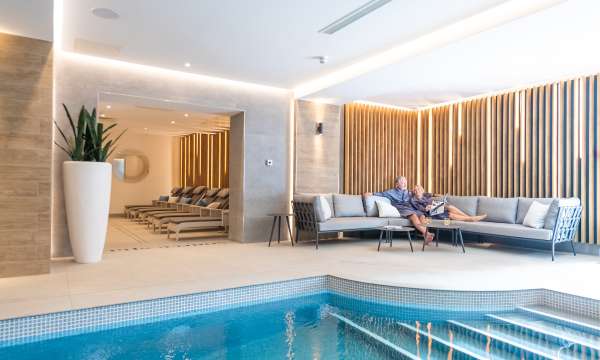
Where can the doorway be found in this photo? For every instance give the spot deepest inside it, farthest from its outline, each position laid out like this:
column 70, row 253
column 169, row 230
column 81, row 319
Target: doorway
column 173, row 160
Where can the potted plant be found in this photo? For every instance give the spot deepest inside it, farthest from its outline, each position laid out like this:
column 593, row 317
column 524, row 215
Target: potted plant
column 87, row 183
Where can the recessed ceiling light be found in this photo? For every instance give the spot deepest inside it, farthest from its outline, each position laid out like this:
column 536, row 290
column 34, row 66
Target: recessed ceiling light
column 172, row 121
column 145, row 129
column 187, row 64
column 108, row 106
column 186, row 114
column 105, row 13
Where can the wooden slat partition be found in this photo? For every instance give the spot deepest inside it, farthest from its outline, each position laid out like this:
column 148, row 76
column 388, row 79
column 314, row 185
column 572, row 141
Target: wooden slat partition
column 378, row 141
column 535, row 142
column 204, row 159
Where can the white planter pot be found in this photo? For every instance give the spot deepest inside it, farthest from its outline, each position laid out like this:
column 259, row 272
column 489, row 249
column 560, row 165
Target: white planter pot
column 87, row 199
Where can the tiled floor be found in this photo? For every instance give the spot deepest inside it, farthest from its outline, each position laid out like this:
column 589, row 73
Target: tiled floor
column 125, row 235
column 157, row 272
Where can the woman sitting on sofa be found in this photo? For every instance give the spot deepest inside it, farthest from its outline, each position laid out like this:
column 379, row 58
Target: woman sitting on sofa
column 422, row 203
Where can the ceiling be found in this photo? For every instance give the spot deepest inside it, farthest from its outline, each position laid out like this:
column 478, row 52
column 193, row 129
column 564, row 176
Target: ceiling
column 159, row 117
column 261, row 41
column 30, row 18
column 271, row 42
column 554, row 44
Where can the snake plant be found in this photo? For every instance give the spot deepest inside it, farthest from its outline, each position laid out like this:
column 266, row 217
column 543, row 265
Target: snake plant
column 90, row 141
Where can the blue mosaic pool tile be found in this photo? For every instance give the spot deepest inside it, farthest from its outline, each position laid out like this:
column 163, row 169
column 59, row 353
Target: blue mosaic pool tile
column 41, row 327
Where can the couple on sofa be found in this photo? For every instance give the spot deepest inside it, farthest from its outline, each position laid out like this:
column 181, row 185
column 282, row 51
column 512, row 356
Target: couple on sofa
column 414, row 205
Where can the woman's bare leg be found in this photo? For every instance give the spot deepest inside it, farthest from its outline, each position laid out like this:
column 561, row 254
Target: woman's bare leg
column 455, row 216
column 455, row 210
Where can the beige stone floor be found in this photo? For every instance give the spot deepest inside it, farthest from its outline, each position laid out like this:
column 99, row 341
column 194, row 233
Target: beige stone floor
column 157, row 272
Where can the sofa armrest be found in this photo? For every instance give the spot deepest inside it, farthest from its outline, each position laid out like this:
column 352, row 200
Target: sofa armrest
column 304, row 216
column 567, row 223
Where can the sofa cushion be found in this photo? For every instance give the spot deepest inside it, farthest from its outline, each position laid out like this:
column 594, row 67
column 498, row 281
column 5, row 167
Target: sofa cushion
column 553, row 211
column 352, row 223
column 387, row 210
column 370, row 205
column 525, row 203
column 500, row 210
column 501, row 229
column 536, row 215
column 323, row 211
column 467, row 204
column 348, row 205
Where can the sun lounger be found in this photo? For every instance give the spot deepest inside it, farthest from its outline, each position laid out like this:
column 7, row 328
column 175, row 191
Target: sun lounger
column 219, row 201
column 217, row 219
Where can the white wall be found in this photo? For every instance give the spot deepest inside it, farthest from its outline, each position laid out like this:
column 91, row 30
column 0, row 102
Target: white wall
column 158, row 149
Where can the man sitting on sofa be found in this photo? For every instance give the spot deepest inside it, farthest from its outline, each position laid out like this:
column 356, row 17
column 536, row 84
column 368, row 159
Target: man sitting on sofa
column 400, row 197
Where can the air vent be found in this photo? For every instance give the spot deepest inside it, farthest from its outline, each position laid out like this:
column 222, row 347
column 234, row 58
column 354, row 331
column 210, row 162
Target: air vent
column 353, row 16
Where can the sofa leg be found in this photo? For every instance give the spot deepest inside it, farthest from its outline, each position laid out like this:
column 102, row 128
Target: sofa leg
column 573, row 248
column 317, row 244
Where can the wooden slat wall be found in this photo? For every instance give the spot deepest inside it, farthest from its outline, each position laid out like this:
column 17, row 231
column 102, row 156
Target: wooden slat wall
column 204, row 159
column 378, row 142
column 536, row 142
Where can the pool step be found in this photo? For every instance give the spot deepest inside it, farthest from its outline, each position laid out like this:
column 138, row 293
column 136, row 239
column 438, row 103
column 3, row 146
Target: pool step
column 528, row 345
column 449, row 343
column 566, row 318
column 552, row 331
column 405, row 340
column 375, row 336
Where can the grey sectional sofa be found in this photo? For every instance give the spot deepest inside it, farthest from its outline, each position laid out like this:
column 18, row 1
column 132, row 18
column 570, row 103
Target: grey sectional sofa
column 505, row 216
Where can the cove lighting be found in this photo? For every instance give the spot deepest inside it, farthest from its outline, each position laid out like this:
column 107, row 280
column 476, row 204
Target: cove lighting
column 148, row 70
column 485, row 20
column 364, row 102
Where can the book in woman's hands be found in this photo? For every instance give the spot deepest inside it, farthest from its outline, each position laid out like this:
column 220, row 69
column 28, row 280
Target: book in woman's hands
column 437, row 206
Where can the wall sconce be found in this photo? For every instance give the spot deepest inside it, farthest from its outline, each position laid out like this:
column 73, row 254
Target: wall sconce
column 320, row 128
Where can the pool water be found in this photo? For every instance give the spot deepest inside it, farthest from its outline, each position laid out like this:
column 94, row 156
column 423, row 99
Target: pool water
column 327, row 326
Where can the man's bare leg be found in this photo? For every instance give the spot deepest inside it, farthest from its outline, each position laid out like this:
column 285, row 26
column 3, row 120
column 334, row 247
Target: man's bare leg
column 414, row 219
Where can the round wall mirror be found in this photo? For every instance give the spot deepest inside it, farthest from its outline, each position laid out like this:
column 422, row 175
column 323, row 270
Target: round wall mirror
column 130, row 166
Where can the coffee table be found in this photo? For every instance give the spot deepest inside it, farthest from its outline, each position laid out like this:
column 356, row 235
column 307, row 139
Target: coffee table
column 453, row 228
column 389, row 231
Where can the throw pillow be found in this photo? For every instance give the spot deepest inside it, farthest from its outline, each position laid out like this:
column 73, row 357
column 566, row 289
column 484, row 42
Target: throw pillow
column 371, row 206
column 386, row 210
column 323, row 209
column 536, row 215
column 173, row 199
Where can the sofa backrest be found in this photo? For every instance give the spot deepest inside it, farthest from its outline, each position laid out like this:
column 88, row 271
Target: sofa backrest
column 468, row 204
column 348, row 205
column 310, row 198
column 500, row 210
